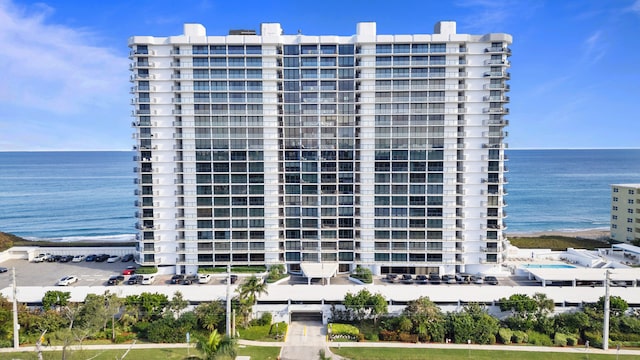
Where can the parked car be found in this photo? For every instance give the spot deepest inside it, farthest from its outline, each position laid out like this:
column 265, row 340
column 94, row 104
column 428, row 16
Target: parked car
column 54, row 258
column 448, row 279
column 491, row 280
column 41, row 257
column 3, row 269
column 234, row 279
column 102, row 257
column 391, row 278
column 78, row 258
column 434, row 278
column 190, row 279
column 476, row 279
column 127, row 258
column 115, row 280
column 177, row 279
column 113, row 258
column 134, row 279
column 90, row 258
column 204, row 278
column 67, row 280
column 66, row 258
column 130, row 270
column 148, row 279
column 407, row 279
column 463, row 278
column 422, row 279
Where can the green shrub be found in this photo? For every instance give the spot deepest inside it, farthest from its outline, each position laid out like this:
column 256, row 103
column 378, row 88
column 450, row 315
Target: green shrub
column 505, row 335
column 386, row 335
column 539, row 339
column 492, row 339
column 593, row 337
column 620, row 336
column 408, row 338
column 265, row 319
column 344, row 332
column 141, row 328
column 146, row 270
column 572, row 340
column 276, row 272
column 560, row 339
column 519, row 337
column 122, row 338
column 371, row 337
column 363, row 274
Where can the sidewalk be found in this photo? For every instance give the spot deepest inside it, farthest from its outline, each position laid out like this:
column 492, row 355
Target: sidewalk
column 542, row 349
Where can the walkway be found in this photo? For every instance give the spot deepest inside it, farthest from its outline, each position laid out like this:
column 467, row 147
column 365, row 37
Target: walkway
column 304, row 340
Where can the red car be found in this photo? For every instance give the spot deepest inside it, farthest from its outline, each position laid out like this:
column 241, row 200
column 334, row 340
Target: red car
column 130, row 270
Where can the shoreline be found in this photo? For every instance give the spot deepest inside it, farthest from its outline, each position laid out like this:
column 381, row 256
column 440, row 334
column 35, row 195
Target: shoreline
column 594, row 234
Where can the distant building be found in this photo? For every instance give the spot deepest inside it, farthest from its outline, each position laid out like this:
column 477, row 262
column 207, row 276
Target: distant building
column 625, row 212
column 384, row 151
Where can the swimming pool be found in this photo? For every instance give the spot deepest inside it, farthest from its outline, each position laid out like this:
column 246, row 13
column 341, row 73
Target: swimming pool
column 548, row 266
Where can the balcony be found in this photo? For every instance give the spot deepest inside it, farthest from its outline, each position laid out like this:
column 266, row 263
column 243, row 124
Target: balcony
column 498, row 49
column 498, row 74
column 500, row 98
column 501, row 122
column 495, row 110
column 496, row 62
column 503, row 87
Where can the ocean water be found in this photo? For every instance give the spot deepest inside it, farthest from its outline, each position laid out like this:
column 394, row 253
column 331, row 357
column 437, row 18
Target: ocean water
column 565, row 189
column 67, row 195
column 89, row 195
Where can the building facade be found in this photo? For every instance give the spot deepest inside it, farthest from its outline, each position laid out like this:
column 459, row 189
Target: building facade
column 383, row 151
column 625, row 212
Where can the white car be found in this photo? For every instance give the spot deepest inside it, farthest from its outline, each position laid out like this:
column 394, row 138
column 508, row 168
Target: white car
column 148, row 279
column 113, row 258
column 204, row 278
column 78, row 258
column 67, row 280
column 41, row 257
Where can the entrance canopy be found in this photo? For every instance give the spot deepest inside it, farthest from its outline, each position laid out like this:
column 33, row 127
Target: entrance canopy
column 319, row 270
column 627, row 248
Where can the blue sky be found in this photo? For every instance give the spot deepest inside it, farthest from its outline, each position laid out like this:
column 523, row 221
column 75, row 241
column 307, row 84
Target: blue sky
column 64, row 66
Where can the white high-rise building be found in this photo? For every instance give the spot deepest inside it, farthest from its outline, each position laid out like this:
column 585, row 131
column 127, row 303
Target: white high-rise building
column 384, row 151
column 625, row 210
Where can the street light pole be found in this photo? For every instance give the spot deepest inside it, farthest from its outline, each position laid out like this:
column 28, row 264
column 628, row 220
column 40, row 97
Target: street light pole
column 16, row 326
column 228, row 300
column 605, row 329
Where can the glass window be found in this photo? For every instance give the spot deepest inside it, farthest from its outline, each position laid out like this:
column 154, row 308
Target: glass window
column 383, row 49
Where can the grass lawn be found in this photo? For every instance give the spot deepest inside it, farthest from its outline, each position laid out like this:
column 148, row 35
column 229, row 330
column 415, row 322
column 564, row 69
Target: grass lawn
column 555, row 242
column 439, row 354
column 256, row 353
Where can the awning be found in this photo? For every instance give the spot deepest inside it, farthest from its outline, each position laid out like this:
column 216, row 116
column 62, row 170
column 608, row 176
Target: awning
column 319, row 270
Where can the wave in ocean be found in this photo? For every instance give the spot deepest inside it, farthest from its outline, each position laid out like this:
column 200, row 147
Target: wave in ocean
column 107, row 238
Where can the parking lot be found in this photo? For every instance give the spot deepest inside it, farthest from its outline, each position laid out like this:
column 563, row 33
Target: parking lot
column 89, row 273
column 97, row 274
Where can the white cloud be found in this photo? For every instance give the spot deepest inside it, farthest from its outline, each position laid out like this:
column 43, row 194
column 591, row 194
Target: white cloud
column 595, row 48
column 55, row 68
column 635, row 7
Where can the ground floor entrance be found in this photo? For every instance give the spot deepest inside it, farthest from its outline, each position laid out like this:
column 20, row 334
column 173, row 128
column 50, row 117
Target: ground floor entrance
column 306, row 316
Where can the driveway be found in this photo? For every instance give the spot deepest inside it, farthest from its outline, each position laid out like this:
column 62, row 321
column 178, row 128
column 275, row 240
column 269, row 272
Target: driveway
column 304, row 340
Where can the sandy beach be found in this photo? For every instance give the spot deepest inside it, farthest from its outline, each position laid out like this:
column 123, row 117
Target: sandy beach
column 595, row 234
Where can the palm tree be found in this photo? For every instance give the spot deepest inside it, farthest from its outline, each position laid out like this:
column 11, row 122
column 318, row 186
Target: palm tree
column 252, row 288
column 248, row 294
column 216, row 346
